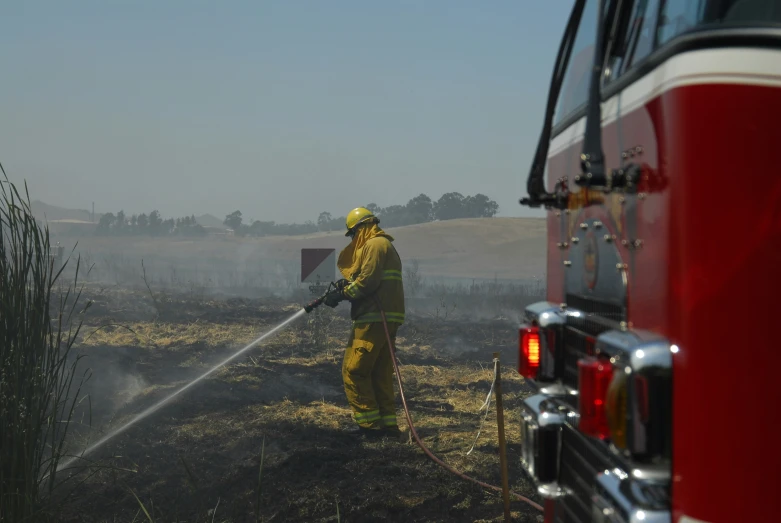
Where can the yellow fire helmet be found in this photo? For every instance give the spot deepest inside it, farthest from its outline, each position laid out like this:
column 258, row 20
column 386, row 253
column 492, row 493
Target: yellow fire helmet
column 356, row 217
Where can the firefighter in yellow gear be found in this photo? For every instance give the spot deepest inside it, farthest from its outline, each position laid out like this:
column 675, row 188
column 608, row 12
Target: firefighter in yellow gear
column 372, row 279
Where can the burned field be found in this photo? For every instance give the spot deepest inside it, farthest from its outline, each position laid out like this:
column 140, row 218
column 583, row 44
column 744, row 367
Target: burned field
column 261, row 439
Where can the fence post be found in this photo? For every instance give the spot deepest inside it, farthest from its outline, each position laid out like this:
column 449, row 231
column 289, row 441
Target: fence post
column 502, row 442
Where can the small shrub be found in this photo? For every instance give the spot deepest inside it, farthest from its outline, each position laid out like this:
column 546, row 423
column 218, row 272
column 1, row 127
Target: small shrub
column 413, row 281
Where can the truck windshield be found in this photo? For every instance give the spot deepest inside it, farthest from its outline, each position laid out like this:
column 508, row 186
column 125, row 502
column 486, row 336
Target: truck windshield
column 575, row 86
column 681, row 16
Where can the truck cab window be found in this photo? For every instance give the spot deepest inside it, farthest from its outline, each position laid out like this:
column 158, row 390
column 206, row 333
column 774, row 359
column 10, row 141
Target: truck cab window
column 681, row 16
column 574, row 92
column 753, row 12
column 635, row 42
column 643, row 40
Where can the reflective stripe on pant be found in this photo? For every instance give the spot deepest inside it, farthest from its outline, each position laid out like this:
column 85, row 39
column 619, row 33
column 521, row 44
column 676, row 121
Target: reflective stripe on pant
column 367, row 371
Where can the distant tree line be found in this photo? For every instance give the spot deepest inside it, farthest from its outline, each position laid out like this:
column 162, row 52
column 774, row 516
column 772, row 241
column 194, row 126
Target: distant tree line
column 260, row 228
column 151, row 224
column 420, row 209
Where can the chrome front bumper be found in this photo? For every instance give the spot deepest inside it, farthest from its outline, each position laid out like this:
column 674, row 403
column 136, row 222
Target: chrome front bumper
column 611, row 494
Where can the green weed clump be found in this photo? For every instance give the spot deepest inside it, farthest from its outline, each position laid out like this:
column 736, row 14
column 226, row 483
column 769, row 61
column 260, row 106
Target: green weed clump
column 38, row 385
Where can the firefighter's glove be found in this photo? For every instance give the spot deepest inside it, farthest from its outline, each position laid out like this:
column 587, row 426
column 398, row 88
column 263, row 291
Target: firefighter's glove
column 333, row 298
column 341, row 284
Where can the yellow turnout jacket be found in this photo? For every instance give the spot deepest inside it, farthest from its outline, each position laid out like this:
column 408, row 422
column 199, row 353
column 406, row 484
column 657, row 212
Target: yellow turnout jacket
column 373, row 267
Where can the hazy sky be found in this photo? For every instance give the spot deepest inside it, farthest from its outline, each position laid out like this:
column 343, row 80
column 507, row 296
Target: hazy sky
column 280, row 109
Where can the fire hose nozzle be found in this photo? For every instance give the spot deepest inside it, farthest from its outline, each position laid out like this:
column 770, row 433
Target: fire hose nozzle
column 309, row 307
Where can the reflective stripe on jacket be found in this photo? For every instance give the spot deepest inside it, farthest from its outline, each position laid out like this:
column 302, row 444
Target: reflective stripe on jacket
column 379, row 274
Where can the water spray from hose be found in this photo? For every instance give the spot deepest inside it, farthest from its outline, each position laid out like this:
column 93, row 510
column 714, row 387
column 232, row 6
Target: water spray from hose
column 159, row 404
column 154, row 408
column 307, row 309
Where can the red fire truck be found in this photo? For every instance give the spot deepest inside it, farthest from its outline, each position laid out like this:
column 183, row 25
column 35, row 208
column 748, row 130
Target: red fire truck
column 653, row 357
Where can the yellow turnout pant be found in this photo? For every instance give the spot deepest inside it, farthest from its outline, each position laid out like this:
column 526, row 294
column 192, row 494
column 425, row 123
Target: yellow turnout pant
column 367, row 371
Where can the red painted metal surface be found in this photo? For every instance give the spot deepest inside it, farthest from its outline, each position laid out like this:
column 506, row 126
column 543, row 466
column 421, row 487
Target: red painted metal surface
column 554, row 273
column 721, row 146
column 550, row 510
column 707, row 277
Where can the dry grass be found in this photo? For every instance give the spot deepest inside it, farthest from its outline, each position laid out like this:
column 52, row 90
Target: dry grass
column 169, row 336
column 289, row 394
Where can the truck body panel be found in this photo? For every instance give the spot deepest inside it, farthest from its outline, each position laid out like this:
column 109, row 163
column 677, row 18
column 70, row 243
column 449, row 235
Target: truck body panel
column 693, row 254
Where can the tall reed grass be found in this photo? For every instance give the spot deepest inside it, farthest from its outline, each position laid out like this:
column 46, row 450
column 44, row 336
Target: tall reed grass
column 38, row 384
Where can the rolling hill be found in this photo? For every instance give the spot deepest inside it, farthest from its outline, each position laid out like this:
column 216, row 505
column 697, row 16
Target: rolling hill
column 482, row 248
column 46, row 212
column 43, row 211
column 506, row 248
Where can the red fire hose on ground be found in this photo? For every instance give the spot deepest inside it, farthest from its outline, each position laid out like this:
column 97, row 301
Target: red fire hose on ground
column 316, row 303
column 415, row 433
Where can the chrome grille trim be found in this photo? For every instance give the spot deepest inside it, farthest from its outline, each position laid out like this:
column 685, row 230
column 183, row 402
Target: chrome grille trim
column 541, row 422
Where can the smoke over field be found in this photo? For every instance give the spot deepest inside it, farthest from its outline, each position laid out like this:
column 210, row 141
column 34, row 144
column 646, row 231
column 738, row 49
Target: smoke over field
column 505, row 250
column 154, row 327
column 205, row 448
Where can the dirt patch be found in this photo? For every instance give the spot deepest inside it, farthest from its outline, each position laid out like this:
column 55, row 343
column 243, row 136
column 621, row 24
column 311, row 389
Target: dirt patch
column 198, row 458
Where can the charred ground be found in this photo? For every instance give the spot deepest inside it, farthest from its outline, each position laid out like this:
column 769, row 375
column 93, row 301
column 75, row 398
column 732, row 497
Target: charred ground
column 199, row 457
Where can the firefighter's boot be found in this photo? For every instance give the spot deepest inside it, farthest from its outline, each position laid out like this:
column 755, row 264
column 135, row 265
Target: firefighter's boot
column 357, row 431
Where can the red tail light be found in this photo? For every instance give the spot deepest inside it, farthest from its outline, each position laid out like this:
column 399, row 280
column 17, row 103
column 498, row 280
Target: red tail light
column 529, row 352
column 594, row 377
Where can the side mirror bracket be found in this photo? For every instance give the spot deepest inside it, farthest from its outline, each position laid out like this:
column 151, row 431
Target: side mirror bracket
column 592, row 159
